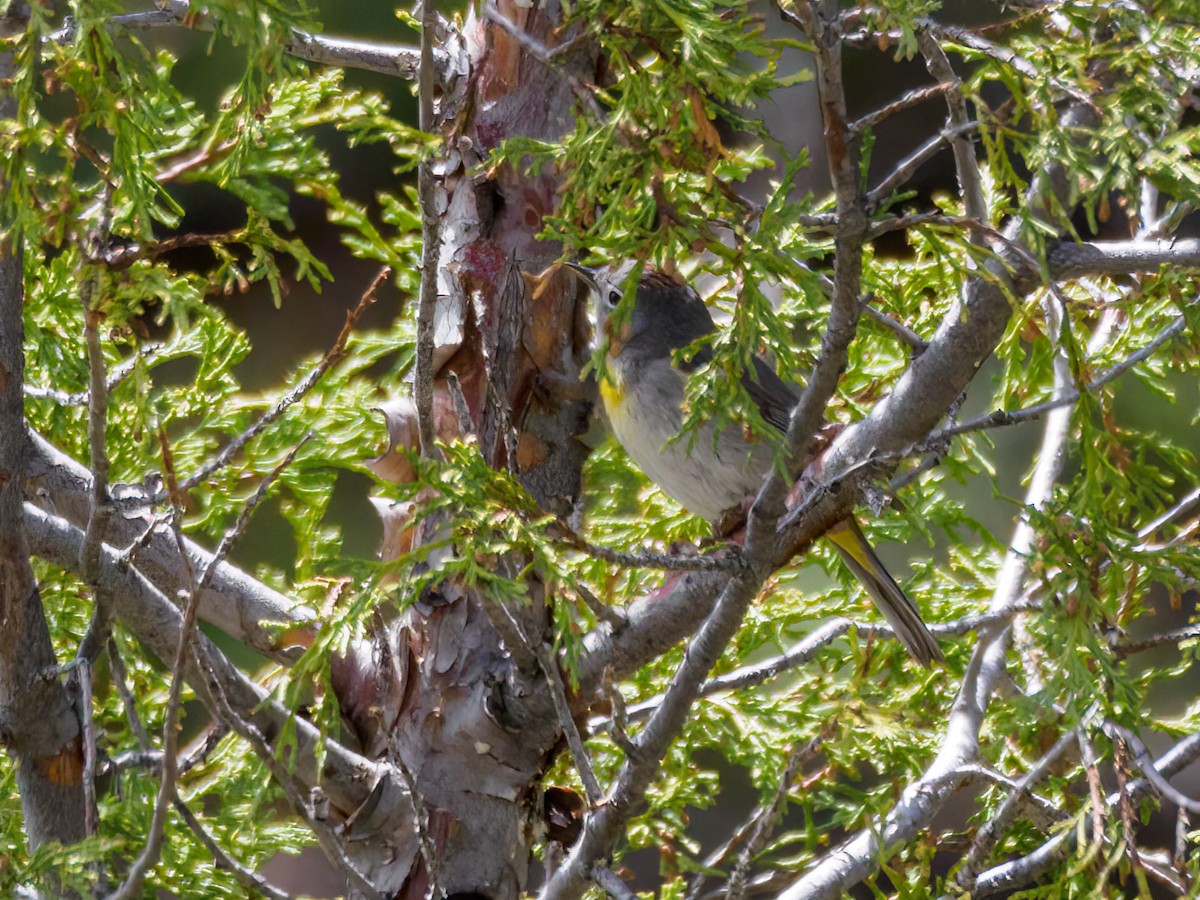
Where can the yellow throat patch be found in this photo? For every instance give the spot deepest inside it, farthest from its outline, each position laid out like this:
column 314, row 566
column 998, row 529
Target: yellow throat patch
column 612, row 392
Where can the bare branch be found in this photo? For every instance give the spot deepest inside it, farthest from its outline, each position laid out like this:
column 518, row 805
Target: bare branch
column 1185, row 505
column 764, row 818
column 993, row 829
column 116, row 376
column 100, row 509
column 387, row 59
column 842, row 150
column 902, row 331
column 1175, row 636
column 610, row 882
column 134, row 879
column 969, row 180
column 806, row 649
column 430, row 245
column 247, row 878
column 725, row 560
column 558, row 693
column 120, row 681
column 1001, row 418
column 240, row 605
column 37, row 721
column 907, row 100
column 83, row 680
column 907, row 167
column 330, row 843
column 1145, row 762
column 151, row 617
column 1070, row 260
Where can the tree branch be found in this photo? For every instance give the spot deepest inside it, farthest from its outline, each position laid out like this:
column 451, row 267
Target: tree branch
column 806, row 649
column 236, row 603
column 430, row 245
column 1011, row 875
column 332, row 357
column 861, row 855
column 37, row 722
column 1081, row 260
column 387, row 59
column 135, row 878
column 348, row 779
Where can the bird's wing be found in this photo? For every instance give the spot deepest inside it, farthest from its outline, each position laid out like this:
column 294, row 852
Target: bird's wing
column 773, row 397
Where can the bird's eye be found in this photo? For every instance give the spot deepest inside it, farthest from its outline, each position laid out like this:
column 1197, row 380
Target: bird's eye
column 614, row 297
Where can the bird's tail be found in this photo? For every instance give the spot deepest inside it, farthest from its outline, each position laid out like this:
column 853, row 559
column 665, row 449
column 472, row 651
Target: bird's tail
column 900, row 612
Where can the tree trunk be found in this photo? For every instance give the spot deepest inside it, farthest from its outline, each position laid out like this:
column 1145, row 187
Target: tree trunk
column 454, row 692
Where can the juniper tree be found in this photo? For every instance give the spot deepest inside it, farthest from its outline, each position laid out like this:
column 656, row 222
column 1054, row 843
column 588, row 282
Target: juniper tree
column 535, row 664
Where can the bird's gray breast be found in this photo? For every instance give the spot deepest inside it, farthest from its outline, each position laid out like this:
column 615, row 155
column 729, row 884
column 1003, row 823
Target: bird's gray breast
column 704, row 476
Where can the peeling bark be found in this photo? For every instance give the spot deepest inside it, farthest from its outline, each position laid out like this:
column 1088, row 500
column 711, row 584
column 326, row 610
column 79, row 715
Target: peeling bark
column 454, row 690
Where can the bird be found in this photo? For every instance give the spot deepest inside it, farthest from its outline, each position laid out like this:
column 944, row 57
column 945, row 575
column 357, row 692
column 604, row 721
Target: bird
column 642, row 391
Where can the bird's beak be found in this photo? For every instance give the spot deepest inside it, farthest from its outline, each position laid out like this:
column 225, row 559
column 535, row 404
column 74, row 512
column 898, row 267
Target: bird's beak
column 586, row 274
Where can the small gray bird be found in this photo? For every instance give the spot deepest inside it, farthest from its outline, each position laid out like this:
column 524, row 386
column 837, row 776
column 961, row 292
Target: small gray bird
column 643, row 395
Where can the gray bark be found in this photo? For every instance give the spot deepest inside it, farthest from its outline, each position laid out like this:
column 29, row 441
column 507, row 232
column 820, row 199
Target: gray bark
column 37, row 721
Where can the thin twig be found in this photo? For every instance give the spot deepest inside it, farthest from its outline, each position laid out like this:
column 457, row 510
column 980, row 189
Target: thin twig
column 613, row 616
column 1185, row 505
column 388, row 59
column 1175, row 636
column 806, row 649
column 246, row 877
column 1091, row 767
column 902, row 331
column 908, row 99
column 907, row 167
column 430, row 245
column 1002, row 418
column 330, row 844
column 100, row 509
column 99, row 513
column 116, row 376
column 132, row 884
column 1013, row 874
column 970, row 181
column 250, row 732
column 993, row 829
column 83, row 677
column 725, row 560
column 134, row 759
column 1145, row 762
column 562, row 707
column 332, row 357
column 765, row 818
column 541, row 653
column 118, row 258
column 610, row 882
column 120, row 679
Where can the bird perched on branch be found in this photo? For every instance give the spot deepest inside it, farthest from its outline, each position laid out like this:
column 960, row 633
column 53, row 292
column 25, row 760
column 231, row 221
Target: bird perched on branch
column 643, row 394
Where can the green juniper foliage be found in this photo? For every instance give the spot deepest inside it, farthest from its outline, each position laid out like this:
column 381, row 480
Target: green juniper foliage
column 102, row 139
column 92, row 163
